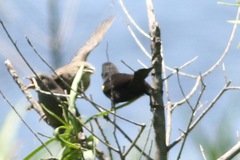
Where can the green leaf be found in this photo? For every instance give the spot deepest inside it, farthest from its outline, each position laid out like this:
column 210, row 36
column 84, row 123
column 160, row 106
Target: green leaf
column 54, row 115
column 106, row 112
column 67, row 143
column 73, row 95
column 40, row 148
column 73, row 92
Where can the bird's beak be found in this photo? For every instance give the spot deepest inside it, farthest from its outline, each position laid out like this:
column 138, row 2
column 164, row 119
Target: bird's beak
column 89, row 69
column 31, row 85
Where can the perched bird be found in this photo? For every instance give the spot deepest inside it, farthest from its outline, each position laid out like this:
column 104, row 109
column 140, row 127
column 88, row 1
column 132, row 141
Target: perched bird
column 51, row 102
column 65, row 75
column 68, row 72
column 121, row 87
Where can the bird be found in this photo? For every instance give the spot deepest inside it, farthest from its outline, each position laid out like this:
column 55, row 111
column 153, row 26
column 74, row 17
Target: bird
column 64, row 75
column 122, row 87
column 62, row 78
column 51, row 102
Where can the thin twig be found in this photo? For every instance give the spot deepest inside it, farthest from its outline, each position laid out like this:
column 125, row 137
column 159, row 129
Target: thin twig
column 224, row 72
column 138, row 42
column 35, row 51
column 98, row 106
column 227, row 48
column 147, row 140
column 19, row 52
column 181, row 73
column 150, row 149
column 188, row 63
column 194, row 89
column 104, row 137
column 121, row 130
column 107, row 144
column 191, row 118
column 190, row 94
column 181, row 88
column 139, row 61
column 55, row 94
column 132, row 20
column 135, row 141
column 202, row 151
column 115, row 137
column 175, row 104
column 16, row 47
column 25, row 123
column 127, row 65
column 193, row 125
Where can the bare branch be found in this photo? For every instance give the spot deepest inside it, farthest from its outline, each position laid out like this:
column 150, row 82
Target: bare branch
column 169, row 103
column 181, row 88
column 115, row 137
column 21, row 85
column 104, row 137
column 139, row 61
column 202, row 151
column 224, row 71
column 110, row 111
column 193, row 125
column 135, row 141
column 138, row 42
column 157, row 84
column 181, row 73
column 227, row 48
column 16, row 47
column 231, row 153
column 101, row 109
column 175, row 104
column 191, row 118
column 147, row 140
column 132, row 20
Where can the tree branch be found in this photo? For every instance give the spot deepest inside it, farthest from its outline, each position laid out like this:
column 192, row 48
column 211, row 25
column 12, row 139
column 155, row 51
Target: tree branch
column 231, row 153
column 21, row 85
column 157, row 84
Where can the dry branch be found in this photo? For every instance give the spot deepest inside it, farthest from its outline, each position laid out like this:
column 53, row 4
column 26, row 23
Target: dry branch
column 157, row 84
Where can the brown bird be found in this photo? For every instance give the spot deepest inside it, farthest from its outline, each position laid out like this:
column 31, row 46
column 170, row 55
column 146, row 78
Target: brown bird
column 122, row 87
column 69, row 71
column 51, row 102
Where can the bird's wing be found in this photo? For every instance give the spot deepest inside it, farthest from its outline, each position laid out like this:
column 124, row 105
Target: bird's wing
column 119, row 80
column 94, row 40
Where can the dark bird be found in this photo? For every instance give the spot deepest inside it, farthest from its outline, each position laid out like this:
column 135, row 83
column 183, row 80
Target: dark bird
column 121, row 87
column 68, row 72
column 50, row 101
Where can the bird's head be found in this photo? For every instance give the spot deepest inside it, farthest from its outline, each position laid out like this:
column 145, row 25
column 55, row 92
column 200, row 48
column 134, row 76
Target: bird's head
column 108, row 69
column 42, row 81
column 88, row 68
column 142, row 73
